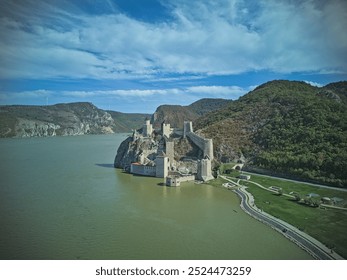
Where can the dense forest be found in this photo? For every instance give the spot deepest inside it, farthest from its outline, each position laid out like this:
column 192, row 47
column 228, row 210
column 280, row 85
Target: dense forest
column 287, row 127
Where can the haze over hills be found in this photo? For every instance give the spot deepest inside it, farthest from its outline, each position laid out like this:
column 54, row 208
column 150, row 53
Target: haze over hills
column 286, row 127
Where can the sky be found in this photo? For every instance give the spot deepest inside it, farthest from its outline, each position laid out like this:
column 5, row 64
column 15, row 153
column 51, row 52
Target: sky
column 134, row 55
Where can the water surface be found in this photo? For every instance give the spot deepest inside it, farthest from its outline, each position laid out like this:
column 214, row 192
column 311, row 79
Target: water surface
column 60, row 198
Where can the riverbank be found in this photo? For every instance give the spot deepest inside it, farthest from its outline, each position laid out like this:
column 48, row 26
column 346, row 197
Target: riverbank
column 303, row 240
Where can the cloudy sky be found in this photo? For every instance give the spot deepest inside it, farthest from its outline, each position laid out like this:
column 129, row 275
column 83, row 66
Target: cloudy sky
column 133, row 55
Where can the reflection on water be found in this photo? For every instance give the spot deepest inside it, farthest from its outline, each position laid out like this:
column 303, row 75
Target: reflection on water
column 61, row 198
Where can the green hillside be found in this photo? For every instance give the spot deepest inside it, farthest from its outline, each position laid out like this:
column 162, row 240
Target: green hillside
column 125, row 122
column 290, row 128
column 176, row 114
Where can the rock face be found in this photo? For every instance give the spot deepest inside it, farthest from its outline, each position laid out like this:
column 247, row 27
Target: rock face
column 57, row 120
column 30, row 128
column 126, row 154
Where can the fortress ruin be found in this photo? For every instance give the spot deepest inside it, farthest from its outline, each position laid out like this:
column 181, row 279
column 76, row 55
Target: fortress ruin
column 151, row 152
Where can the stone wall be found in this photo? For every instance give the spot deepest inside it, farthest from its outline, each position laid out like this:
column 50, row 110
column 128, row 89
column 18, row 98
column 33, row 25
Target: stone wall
column 206, row 145
column 175, row 181
column 170, row 150
column 187, row 127
column 144, row 170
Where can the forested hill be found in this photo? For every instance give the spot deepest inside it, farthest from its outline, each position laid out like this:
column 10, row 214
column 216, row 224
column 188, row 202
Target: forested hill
column 176, row 114
column 125, row 122
column 286, row 127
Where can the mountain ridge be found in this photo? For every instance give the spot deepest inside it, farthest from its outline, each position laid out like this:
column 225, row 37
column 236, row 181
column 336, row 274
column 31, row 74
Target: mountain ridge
column 288, row 127
column 63, row 119
column 177, row 114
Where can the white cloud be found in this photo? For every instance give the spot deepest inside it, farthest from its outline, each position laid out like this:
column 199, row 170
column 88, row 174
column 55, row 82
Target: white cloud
column 203, row 91
column 303, row 35
column 230, row 92
column 40, row 93
column 205, row 38
column 120, row 93
column 315, row 84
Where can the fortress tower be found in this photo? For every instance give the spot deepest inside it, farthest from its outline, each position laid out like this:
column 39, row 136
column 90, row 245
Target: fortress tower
column 162, row 166
column 166, row 130
column 187, row 127
column 147, row 129
column 208, row 148
column 204, row 170
column 170, row 150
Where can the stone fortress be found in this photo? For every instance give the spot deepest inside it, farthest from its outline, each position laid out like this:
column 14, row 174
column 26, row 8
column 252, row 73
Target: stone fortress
column 151, row 152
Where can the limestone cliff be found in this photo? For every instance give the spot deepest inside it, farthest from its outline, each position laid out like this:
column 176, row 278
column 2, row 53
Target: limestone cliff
column 62, row 119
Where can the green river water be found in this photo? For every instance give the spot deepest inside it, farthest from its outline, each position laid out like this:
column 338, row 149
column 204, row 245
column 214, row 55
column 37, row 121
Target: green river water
column 61, row 198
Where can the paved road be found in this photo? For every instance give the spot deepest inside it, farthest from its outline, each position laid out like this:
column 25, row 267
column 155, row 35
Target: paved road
column 286, row 230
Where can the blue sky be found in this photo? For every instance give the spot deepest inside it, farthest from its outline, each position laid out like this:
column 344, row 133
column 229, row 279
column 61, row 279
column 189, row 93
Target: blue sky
column 134, row 55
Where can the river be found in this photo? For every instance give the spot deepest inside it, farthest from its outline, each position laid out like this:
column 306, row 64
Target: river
column 61, row 198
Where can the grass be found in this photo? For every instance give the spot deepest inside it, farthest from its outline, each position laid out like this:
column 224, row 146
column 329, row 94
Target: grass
column 301, row 188
column 226, row 166
column 216, row 182
column 326, row 225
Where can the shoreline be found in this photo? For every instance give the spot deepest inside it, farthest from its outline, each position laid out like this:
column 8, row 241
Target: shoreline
column 311, row 245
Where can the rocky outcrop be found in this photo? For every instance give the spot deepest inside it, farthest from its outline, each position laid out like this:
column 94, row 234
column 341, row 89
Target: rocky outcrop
column 29, row 128
column 139, row 149
column 126, row 154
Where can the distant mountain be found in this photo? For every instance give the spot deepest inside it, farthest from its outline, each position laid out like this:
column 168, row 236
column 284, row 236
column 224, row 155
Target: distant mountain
column 206, row 105
column 176, row 114
column 63, row 119
column 287, row 127
column 125, row 122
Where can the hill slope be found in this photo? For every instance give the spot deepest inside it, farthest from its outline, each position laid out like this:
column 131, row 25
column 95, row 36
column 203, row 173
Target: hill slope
column 64, row 119
column 125, row 122
column 176, row 114
column 286, row 127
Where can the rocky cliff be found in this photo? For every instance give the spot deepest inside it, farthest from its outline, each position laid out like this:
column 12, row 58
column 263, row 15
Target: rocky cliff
column 60, row 119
